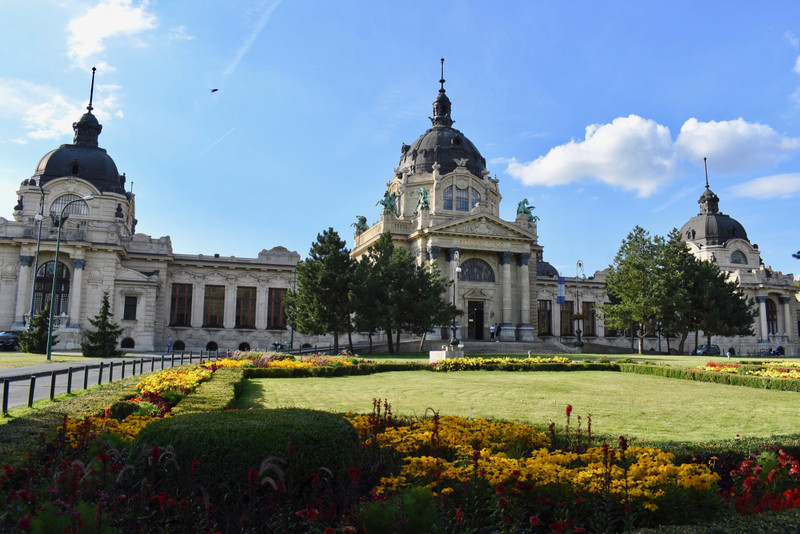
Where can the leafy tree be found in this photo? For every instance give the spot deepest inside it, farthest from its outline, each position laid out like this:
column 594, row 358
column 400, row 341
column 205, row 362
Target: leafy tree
column 634, row 282
column 722, row 307
column 676, row 314
column 34, row 340
column 321, row 304
column 102, row 342
column 364, row 297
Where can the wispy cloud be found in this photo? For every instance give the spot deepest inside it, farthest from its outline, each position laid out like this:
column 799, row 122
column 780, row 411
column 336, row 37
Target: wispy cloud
column 89, row 32
column 776, row 186
column 638, row 154
column 180, row 33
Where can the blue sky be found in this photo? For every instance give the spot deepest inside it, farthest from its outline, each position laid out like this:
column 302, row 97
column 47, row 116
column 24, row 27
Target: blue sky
column 599, row 113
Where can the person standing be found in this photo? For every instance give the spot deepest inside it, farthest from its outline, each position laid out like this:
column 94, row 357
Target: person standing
column 169, row 344
column 492, row 330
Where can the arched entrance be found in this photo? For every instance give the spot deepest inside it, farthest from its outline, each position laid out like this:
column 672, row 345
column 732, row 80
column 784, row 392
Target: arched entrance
column 44, row 288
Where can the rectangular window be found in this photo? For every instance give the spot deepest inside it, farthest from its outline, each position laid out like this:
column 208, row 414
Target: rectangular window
column 181, row 314
column 275, row 318
column 214, row 307
column 447, row 197
column 129, row 312
column 589, row 322
column 566, row 319
column 245, row 307
column 462, row 199
column 545, row 318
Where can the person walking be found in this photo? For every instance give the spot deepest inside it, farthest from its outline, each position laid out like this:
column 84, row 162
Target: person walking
column 492, row 330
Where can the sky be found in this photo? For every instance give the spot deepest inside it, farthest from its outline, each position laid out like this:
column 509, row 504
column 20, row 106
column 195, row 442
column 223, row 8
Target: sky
column 599, row 113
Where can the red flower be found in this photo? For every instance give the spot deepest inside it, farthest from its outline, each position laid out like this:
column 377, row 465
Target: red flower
column 535, row 521
column 252, row 476
column 501, row 502
column 500, row 490
column 24, row 523
column 194, row 466
column 329, row 530
column 623, row 443
column 569, row 409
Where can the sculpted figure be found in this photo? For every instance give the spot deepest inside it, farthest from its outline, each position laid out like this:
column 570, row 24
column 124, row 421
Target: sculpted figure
column 361, row 223
column 526, row 209
column 389, row 202
column 423, row 202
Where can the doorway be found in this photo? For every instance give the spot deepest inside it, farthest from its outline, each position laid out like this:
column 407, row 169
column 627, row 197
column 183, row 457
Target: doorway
column 475, row 320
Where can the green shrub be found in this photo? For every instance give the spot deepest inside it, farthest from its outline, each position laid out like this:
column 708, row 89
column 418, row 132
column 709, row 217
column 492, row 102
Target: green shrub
column 122, row 409
column 733, row 379
column 411, row 511
column 213, row 395
column 228, row 444
column 772, row 523
column 173, row 396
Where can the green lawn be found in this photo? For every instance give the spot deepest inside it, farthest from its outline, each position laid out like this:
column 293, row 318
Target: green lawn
column 651, row 408
column 23, row 359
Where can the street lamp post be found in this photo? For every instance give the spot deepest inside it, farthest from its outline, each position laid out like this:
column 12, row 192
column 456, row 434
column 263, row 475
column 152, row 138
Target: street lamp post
column 39, row 217
column 61, row 220
column 456, row 270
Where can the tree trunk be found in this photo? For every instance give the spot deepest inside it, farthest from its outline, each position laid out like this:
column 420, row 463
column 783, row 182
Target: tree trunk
column 642, row 333
column 422, row 341
column 370, row 342
column 335, row 343
column 684, row 335
column 397, row 344
column 350, row 340
column 389, row 340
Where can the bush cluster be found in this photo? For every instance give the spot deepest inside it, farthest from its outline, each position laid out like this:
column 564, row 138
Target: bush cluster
column 732, row 379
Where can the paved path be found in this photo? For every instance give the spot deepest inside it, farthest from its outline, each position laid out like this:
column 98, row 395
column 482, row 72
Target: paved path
column 54, row 379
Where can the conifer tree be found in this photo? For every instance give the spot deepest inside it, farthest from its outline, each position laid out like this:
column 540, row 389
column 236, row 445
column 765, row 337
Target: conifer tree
column 34, row 340
column 102, row 342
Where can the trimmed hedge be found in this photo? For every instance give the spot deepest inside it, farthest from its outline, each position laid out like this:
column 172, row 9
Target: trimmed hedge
column 522, row 365
column 215, row 394
column 339, row 370
column 773, row 523
column 732, row 379
column 228, row 444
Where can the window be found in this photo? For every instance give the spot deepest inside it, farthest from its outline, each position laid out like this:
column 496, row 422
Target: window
column 81, row 208
column 566, row 318
column 738, row 257
column 44, row 288
column 545, row 318
column 212, row 346
column 772, row 317
column 245, row 307
column 127, row 343
column 244, row 346
column 129, row 311
column 476, row 197
column 181, row 311
column 214, row 307
column 448, row 198
column 462, row 199
column 589, row 322
column 475, row 270
column 275, row 318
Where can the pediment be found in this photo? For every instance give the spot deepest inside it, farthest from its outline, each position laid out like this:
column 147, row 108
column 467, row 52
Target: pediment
column 482, row 225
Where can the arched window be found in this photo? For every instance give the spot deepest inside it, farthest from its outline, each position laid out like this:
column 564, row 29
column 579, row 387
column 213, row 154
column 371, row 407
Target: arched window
column 127, row 343
column 447, row 197
column 476, row 197
column 80, row 208
column 212, row 345
column 244, row 346
column 738, row 257
column 772, row 317
column 462, row 199
column 475, row 270
column 179, row 345
column 44, row 287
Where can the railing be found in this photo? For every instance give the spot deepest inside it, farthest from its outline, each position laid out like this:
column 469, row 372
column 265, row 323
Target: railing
column 96, row 374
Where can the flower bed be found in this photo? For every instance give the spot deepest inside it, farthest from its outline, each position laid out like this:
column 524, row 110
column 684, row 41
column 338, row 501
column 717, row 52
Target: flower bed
column 469, row 364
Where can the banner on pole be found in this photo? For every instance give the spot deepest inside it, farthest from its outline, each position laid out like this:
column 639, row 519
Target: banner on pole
column 562, row 290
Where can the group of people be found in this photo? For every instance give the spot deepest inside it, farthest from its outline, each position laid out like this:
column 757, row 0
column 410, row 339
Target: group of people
column 494, row 332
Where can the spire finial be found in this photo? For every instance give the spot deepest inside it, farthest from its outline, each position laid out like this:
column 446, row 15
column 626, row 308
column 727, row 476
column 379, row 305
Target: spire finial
column 705, row 163
column 91, row 91
column 441, row 80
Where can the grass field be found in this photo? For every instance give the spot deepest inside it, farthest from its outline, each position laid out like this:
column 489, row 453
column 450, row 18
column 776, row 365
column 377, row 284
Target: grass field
column 651, row 408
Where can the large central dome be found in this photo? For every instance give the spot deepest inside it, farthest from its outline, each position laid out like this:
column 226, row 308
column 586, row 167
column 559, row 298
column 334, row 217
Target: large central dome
column 441, row 144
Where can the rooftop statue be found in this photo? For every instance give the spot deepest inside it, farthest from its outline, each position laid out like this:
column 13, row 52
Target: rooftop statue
column 389, row 202
column 423, row 202
column 361, row 223
column 523, row 208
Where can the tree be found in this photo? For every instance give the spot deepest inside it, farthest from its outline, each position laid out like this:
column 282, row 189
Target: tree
column 321, row 304
column 634, row 283
column 34, row 340
column 722, row 307
column 102, row 342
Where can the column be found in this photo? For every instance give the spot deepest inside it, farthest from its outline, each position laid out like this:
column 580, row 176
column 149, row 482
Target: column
column 507, row 331
column 75, row 290
column 23, row 290
column 229, row 314
column 762, row 319
column 787, row 316
column 451, row 254
column 262, row 292
column 198, row 301
column 524, row 328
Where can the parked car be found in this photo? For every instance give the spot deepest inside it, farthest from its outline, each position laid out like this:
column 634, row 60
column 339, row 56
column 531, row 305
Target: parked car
column 9, row 340
column 704, row 350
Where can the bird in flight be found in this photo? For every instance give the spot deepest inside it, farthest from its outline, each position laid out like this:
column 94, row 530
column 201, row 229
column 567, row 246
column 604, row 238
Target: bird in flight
column 214, row 90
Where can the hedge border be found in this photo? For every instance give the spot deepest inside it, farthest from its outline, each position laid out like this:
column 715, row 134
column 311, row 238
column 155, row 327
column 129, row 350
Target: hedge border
column 731, row 379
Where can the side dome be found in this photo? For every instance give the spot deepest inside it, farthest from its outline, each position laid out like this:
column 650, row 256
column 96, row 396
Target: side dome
column 83, row 159
column 441, row 144
column 710, row 226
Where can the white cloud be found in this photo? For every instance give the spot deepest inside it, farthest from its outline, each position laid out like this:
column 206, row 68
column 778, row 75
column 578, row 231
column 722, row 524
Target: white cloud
column 776, row 186
column 632, row 153
column 46, row 114
column 790, row 37
column 180, row 33
column 797, row 65
column 109, row 18
column 735, row 145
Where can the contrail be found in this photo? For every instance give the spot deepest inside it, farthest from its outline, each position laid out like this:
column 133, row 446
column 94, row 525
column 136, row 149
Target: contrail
column 251, row 39
column 212, row 145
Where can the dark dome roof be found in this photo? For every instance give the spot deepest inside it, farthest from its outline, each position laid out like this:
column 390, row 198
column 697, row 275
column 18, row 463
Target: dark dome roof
column 545, row 269
column 82, row 159
column 710, row 226
column 441, row 144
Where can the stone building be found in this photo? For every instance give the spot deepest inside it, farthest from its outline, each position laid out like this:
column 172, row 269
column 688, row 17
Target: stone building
column 200, row 301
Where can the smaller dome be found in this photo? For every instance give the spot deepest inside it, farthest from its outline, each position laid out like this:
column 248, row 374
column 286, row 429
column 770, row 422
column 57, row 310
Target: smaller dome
column 92, row 164
column 545, row 269
column 710, row 226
